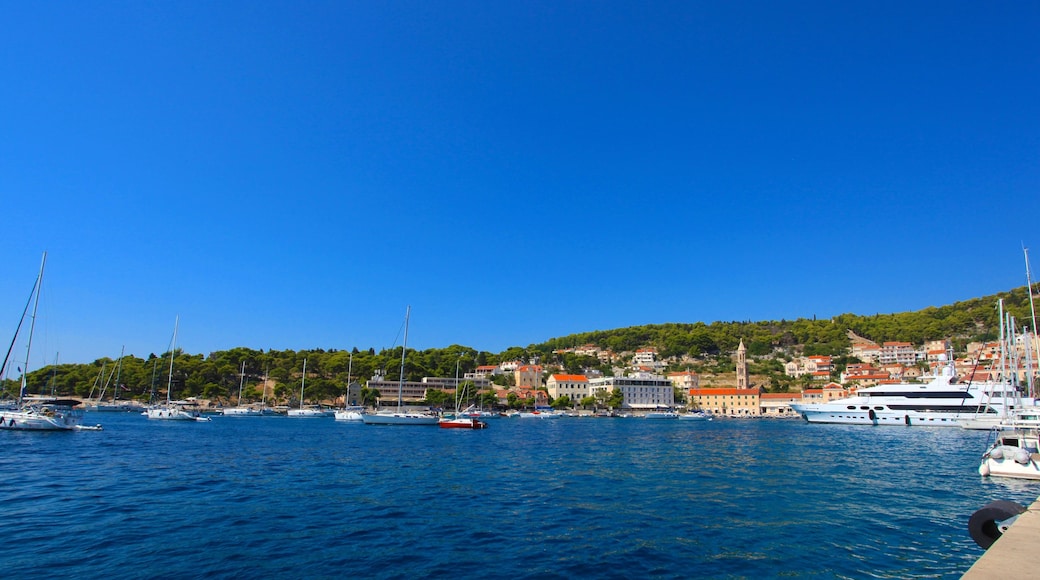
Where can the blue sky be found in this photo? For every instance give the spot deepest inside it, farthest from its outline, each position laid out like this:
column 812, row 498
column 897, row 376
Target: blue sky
column 292, row 175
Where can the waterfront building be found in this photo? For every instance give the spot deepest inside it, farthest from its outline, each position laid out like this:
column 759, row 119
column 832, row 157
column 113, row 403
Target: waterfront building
column 576, row 387
column 640, row 390
column 727, row 402
column 778, row 404
column 829, row 392
column 449, row 383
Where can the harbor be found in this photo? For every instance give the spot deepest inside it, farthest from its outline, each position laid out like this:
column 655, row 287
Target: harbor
column 571, row 497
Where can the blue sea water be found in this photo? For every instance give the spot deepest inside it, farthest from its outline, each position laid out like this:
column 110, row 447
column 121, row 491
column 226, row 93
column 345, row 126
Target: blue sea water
column 267, row 497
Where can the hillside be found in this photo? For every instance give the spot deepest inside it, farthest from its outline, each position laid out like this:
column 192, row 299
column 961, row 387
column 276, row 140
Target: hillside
column 705, row 348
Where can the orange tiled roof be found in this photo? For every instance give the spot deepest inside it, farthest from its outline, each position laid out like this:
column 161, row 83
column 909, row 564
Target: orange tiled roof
column 570, row 378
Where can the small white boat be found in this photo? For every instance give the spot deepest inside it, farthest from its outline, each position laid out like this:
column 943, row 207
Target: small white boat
column 356, row 413
column 312, row 412
column 173, row 410
column 662, row 415
column 241, row 410
column 399, row 418
column 696, row 416
column 1014, row 454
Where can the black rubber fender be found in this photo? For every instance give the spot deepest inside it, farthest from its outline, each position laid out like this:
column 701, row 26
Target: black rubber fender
column 983, row 523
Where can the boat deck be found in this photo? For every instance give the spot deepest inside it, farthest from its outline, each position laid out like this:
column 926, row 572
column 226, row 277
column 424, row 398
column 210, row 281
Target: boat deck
column 1014, row 555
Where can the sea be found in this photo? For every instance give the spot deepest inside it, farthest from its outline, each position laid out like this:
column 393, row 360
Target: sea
column 277, row 497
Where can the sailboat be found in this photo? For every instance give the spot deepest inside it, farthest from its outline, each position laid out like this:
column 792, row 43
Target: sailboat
column 309, row 412
column 400, row 416
column 458, row 421
column 171, row 410
column 115, row 405
column 350, row 412
column 240, row 410
column 38, row 413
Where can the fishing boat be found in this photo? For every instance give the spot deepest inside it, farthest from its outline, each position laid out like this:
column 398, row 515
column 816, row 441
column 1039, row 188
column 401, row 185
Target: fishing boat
column 311, row 412
column 241, row 410
column 173, row 410
column 36, row 413
column 459, row 420
column 662, row 415
column 400, row 416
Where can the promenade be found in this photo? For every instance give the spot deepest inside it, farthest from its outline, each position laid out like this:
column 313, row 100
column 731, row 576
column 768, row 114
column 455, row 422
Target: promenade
column 1014, row 555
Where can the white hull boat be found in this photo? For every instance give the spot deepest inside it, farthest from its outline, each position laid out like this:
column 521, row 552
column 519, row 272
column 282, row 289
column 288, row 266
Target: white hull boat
column 400, row 418
column 241, row 412
column 1015, row 454
column 941, row 402
column 699, row 416
column 351, row 414
column 42, row 415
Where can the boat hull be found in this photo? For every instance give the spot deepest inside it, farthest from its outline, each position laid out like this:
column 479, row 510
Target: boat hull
column 173, row 414
column 461, row 423
column 1014, row 454
column 828, row 414
column 308, row 413
column 241, row 412
column 42, row 415
column 400, row 419
column 32, row 421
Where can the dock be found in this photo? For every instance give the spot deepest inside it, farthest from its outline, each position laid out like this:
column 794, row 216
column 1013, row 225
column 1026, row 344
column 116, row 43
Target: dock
column 1014, row 555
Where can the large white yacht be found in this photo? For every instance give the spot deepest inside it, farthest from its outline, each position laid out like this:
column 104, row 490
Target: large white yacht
column 940, row 402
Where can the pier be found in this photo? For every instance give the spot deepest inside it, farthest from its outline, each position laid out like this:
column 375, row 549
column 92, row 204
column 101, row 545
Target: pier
column 1014, row 555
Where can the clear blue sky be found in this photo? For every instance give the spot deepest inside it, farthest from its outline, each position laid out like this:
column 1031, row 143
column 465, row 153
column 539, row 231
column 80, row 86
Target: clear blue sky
column 292, row 175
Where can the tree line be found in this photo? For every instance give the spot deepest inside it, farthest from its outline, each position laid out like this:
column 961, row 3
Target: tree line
column 217, row 376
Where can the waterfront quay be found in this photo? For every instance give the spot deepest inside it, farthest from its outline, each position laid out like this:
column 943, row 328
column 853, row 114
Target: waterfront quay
column 1014, row 555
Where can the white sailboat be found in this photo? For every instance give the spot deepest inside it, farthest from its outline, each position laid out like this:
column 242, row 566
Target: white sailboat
column 38, row 413
column 400, row 416
column 241, row 410
column 459, row 421
column 350, row 412
column 309, row 412
column 173, row 410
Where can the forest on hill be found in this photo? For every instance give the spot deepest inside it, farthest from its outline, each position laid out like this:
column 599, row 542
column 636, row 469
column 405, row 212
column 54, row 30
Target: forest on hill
column 218, row 375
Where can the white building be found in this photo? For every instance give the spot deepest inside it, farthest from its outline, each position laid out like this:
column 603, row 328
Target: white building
column 574, row 386
column 641, row 391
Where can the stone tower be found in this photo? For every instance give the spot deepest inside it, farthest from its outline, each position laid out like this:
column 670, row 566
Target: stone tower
column 742, row 374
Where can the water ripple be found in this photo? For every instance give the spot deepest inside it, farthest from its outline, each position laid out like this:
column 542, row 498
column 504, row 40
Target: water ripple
column 270, row 497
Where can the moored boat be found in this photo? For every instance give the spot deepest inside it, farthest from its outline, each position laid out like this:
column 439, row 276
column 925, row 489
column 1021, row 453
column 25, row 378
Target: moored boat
column 940, row 402
column 174, row 410
column 1015, row 454
column 36, row 413
column 400, row 417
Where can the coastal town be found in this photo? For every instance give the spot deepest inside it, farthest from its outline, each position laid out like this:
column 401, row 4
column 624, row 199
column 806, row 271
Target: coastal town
column 646, row 386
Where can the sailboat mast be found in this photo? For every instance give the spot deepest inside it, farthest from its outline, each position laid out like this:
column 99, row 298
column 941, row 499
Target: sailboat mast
column 119, row 370
column 303, row 382
column 1032, row 310
column 173, row 352
column 404, row 349
column 241, row 380
column 32, row 326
